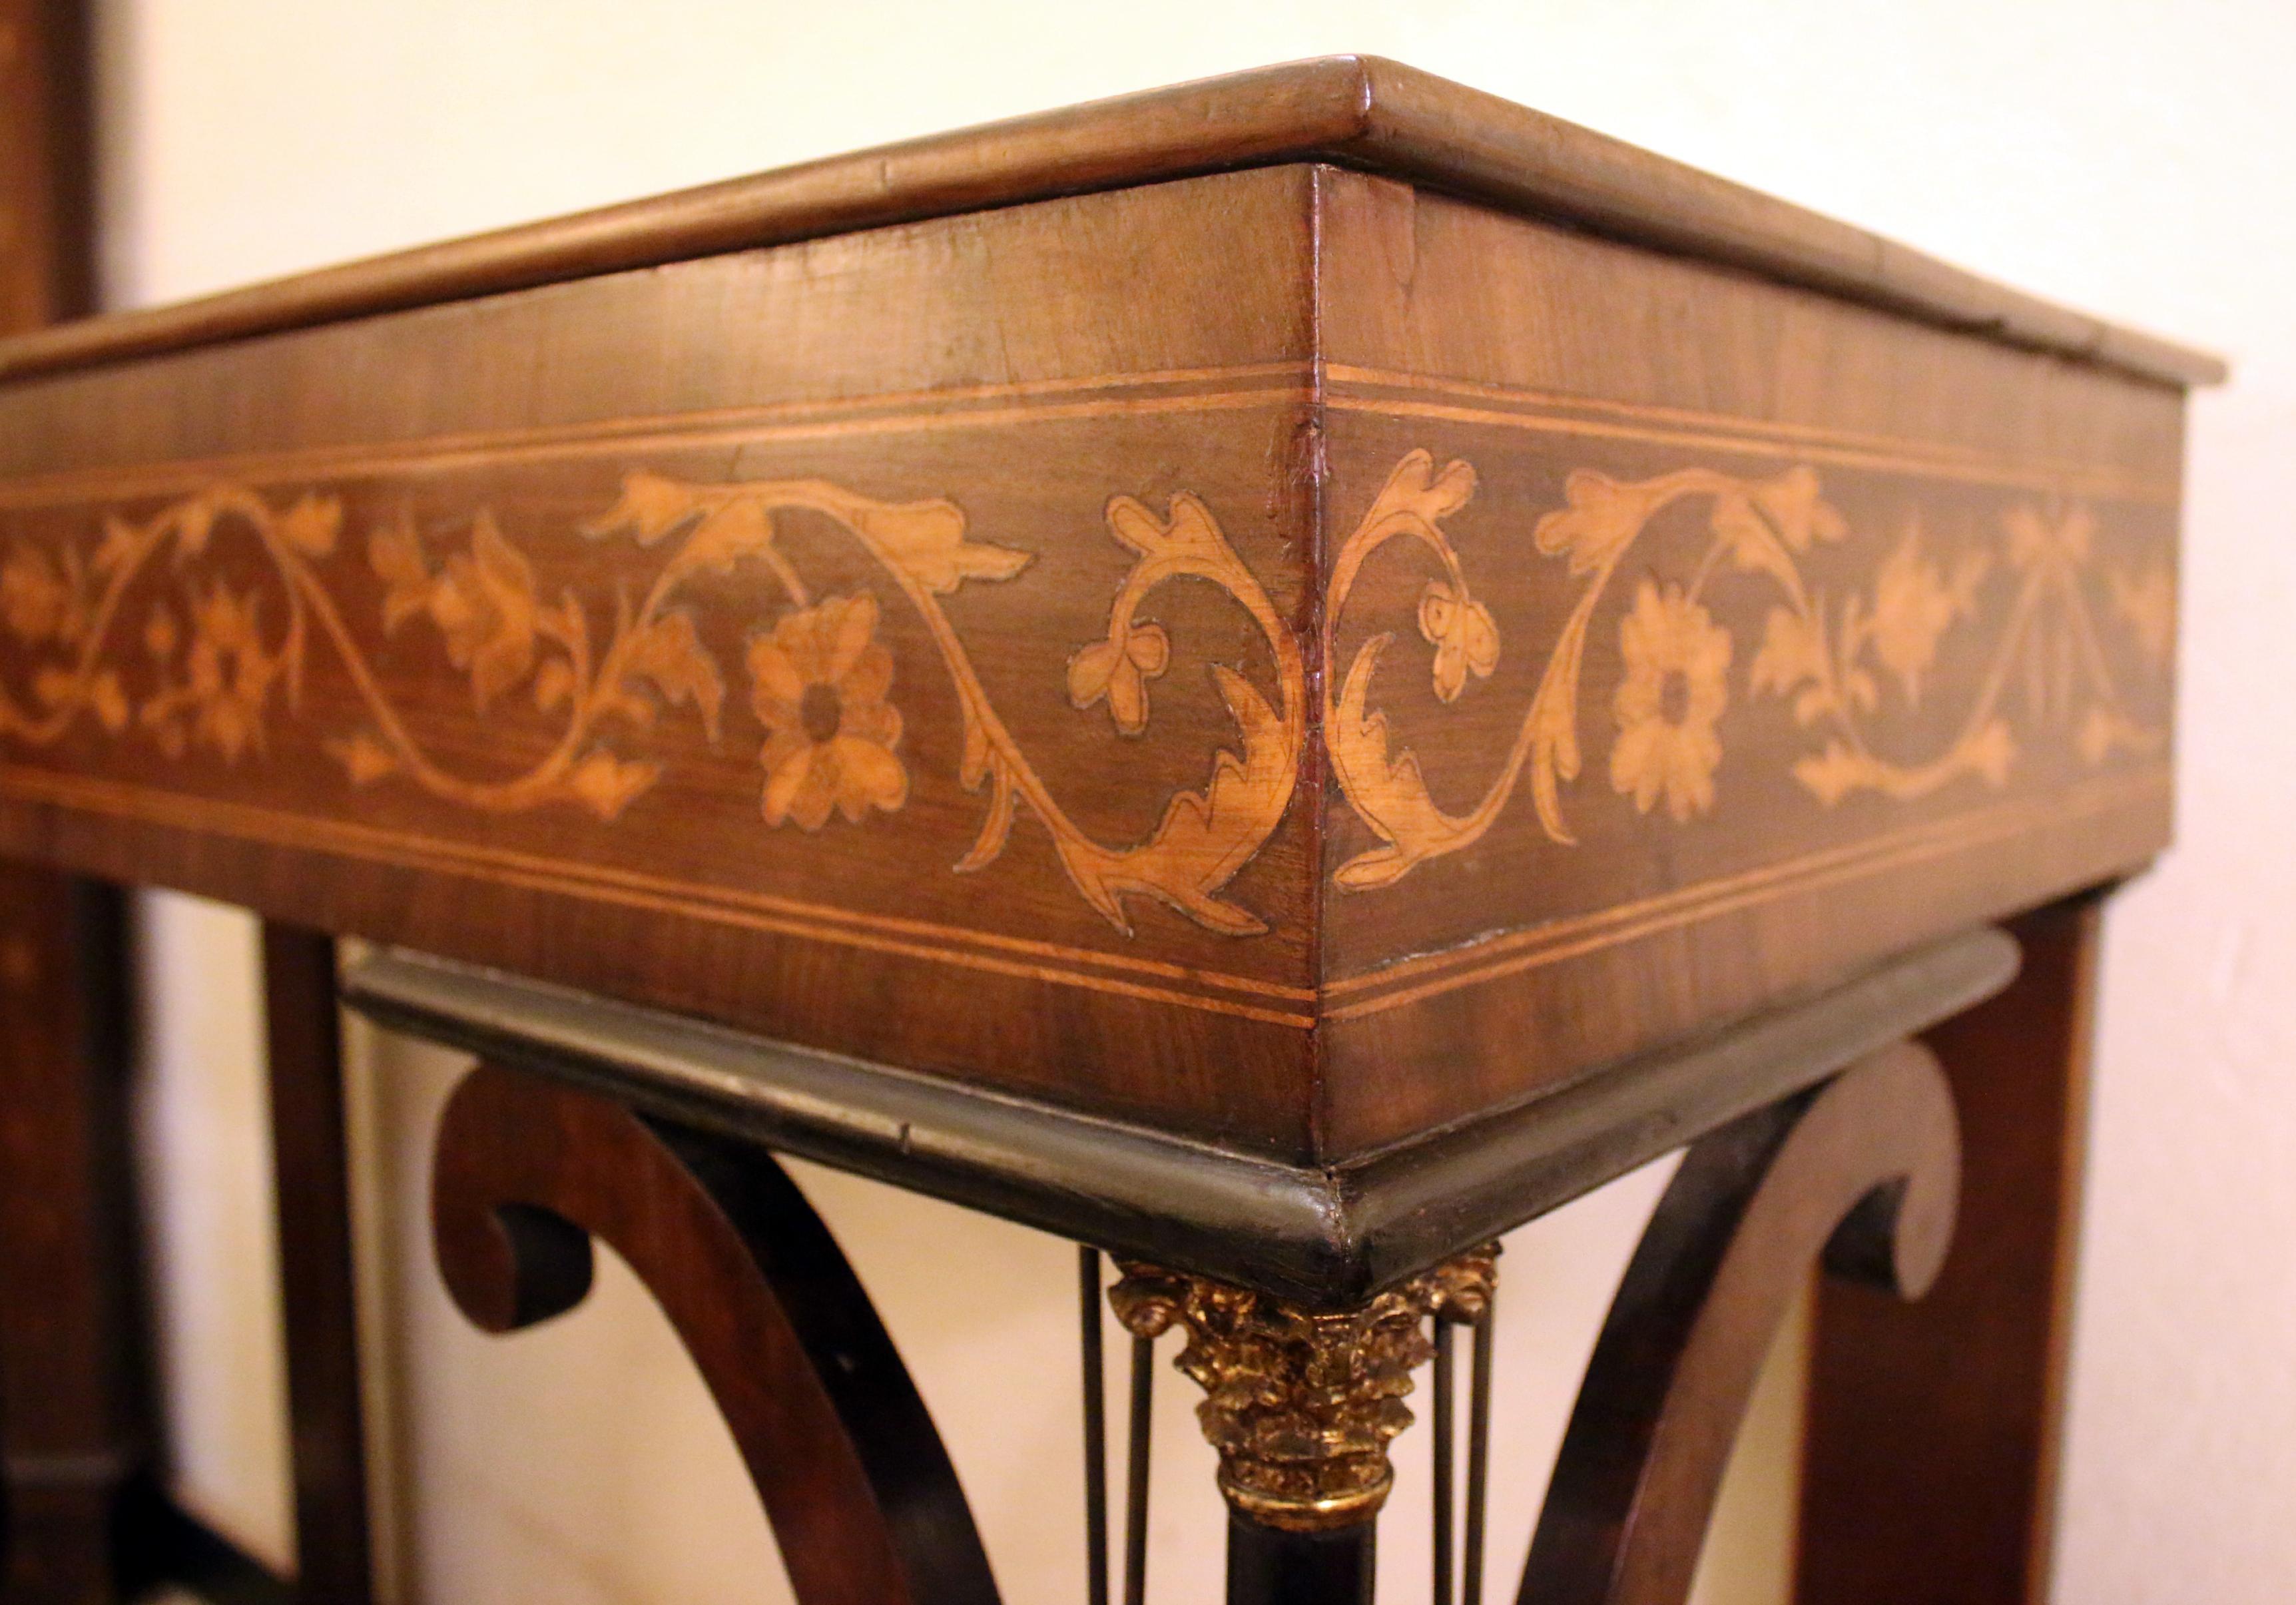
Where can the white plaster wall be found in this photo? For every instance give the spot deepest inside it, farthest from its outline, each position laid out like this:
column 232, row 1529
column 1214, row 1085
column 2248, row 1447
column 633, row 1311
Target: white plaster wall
column 2131, row 157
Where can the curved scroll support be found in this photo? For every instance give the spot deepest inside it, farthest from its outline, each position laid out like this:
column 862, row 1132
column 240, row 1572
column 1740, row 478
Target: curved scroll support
column 1864, row 1171
column 853, row 1477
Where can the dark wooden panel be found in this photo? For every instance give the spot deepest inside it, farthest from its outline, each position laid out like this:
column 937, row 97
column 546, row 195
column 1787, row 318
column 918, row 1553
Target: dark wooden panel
column 1934, row 1431
column 317, row 1298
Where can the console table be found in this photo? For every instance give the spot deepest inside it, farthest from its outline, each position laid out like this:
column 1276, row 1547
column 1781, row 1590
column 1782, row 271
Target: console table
column 1275, row 677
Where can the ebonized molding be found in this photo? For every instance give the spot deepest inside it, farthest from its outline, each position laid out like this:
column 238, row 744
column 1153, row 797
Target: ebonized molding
column 1328, row 1237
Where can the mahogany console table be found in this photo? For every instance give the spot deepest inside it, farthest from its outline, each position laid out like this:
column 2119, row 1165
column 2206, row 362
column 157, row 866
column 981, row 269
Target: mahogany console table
column 1275, row 677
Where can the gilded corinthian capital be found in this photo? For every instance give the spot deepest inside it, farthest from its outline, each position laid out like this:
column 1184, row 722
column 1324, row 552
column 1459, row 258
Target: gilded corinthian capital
column 1300, row 1403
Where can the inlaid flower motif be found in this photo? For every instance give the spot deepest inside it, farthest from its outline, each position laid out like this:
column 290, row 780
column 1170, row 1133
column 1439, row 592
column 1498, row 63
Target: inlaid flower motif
column 230, row 674
column 34, row 600
column 1460, row 630
column 1677, row 664
column 1120, row 670
column 818, row 684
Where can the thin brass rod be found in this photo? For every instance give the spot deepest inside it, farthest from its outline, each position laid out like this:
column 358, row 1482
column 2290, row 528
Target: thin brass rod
column 1479, row 1446
column 1095, row 1430
column 1135, row 1478
column 1446, row 1410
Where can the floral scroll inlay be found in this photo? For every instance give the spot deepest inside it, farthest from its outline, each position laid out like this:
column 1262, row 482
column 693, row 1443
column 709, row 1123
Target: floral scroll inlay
column 224, row 662
column 224, row 652
column 1828, row 658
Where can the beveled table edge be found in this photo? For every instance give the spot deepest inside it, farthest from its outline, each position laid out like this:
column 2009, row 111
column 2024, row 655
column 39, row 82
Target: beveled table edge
column 1323, row 1237
column 1357, row 111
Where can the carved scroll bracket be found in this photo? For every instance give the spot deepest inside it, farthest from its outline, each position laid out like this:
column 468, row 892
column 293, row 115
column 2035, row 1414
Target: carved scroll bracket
column 1864, row 1172
column 1302, row 1404
column 853, row 1477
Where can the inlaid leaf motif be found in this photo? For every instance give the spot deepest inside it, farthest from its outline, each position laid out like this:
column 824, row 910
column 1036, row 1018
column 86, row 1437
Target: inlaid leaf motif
column 1203, row 838
column 160, row 634
column 2146, row 603
column 119, row 548
column 1792, row 655
column 483, row 602
column 1601, row 518
column 109, row 699
column 554, row 685
column 311, row 525
column 668, row 653
column 194, row 522
column 1914, row 603
column 1464, row 638
column 1206, row 837
column 395, row 553
column 651, row 508
column 727, row 533
column 35, row 601
column 927, row 540
column 363, row 757
column 606, row 784
column 1799, row 509
column 1388, row 790
column 1119, row 671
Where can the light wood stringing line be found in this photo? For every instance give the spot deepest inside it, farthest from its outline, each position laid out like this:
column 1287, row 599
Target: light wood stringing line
column 408, row 851
column 1277, row 383
column 1707, row 899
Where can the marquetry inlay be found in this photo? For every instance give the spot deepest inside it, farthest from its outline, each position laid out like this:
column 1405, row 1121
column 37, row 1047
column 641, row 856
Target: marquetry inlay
column 218, row 663
column 2017, row 608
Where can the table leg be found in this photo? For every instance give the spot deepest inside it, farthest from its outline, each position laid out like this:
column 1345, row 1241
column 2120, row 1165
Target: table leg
column 66, row 1406
column 317, row 1297
column 1933, row 1435
column 70, row 1396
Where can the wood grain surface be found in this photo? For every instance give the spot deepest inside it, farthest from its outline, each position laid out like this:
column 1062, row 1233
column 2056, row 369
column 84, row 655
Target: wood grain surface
column 1282, row 655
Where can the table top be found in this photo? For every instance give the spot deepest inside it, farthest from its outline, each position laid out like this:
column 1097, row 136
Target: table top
column 1358, row 111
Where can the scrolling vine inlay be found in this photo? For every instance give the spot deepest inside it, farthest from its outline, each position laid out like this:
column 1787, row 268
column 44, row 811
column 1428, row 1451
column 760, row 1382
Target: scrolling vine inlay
column 820, row 680
column 218, row 661
column 1676, row 658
